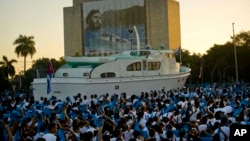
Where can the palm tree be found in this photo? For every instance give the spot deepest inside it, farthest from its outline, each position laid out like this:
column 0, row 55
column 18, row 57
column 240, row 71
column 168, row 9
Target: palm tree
column 25, row 47
column 9, row 69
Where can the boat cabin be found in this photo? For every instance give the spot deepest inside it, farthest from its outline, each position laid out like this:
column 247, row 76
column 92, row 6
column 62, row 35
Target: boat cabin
column 132, row 63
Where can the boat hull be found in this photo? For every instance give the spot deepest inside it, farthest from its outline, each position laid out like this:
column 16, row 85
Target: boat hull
column 64, row 87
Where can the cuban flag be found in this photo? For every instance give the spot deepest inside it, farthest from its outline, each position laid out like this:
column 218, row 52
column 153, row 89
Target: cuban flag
column 49, row 76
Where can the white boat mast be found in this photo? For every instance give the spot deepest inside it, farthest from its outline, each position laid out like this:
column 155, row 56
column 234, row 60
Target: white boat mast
column 137, row 41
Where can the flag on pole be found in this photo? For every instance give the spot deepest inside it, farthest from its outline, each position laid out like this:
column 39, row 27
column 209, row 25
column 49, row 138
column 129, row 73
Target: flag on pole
column 49, row 76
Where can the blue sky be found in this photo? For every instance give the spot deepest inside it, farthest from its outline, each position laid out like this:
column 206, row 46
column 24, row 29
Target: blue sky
column 203, row 23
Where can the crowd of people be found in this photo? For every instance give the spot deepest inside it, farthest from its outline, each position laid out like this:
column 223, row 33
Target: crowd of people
column 195, row 112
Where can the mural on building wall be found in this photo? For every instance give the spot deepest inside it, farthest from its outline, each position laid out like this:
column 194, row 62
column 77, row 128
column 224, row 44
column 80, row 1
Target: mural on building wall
column 108, row 25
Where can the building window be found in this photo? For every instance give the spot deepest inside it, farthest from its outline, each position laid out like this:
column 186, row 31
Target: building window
column 134, row 66
column 152, row 66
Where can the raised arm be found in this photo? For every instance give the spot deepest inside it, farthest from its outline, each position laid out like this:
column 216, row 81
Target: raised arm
column 7, row 128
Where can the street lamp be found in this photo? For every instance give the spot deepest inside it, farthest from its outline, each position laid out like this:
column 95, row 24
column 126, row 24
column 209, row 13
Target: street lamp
column 226, row 68
column 20, row 71
column 235, row 56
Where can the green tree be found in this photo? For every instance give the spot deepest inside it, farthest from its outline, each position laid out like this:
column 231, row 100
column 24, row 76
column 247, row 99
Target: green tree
column 39, row 66
column 242, row 39
column 219, row 61
column 25, row 46
column 3, row 81
column 8, row 68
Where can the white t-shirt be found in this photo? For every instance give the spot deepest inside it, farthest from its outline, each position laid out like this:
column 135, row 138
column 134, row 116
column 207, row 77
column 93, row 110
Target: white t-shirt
column 142, row 122
column 49, row 137
column 202, row 127
column 226, row 130
column 38, row 135
column 227, row 109
column 128, row 134
column 113, row 139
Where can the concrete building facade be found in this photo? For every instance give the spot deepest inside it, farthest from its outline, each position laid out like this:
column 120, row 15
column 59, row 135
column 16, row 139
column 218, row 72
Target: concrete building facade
column 161, row 20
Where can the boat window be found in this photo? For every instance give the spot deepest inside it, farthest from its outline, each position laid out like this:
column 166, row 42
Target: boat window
column 86, row 74
column 65, row 74
column 142, row 53
column 107, row 75
column 145, row 53
column 133, row 53
column 144, row 64
column 117, row 87
column 154, row 66
column 166, row 56
column 170, row 55
column 134, row 66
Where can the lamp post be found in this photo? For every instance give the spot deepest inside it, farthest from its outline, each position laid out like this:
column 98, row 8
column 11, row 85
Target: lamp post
column 20, row 77
column 226, row 68
column 235, row 57
column 20, row 71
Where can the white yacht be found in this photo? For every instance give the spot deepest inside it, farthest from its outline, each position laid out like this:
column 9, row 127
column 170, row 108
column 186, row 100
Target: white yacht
column 130, row 72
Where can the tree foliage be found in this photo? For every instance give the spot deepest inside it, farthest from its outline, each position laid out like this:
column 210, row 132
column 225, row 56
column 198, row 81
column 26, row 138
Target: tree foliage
column 242, row 39
column 222, row 59
column 25, row 46
column 7, row 70
column 41, row 64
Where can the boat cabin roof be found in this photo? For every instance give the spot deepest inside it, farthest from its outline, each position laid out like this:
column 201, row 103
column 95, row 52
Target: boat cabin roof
column 91, row 62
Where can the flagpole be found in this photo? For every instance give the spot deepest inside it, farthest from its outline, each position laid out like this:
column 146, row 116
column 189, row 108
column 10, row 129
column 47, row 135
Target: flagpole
column 235, row 56
column 180, row 56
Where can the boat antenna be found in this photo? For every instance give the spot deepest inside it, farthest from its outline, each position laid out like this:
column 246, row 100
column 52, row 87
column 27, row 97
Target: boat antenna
column 137, row 41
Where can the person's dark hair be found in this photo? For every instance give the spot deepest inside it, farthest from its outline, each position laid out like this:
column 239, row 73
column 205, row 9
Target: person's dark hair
column 151, row 139
column 216, row 137
column 136, row 133
column 53, row 117
column 224, row 120
column 217, row 115
column 117, row 132
column 182, row 132
column 170, row 134
column 216, row 125
column 132, row 139
column 204, row 120
column 151, row 132
column 52, row 125
column 91, row 13
column 87, row 136
column 140, row 115
column 40, row 139
column 106, row 138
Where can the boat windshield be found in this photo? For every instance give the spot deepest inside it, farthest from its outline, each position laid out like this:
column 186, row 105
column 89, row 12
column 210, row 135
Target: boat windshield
column 142, row 53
